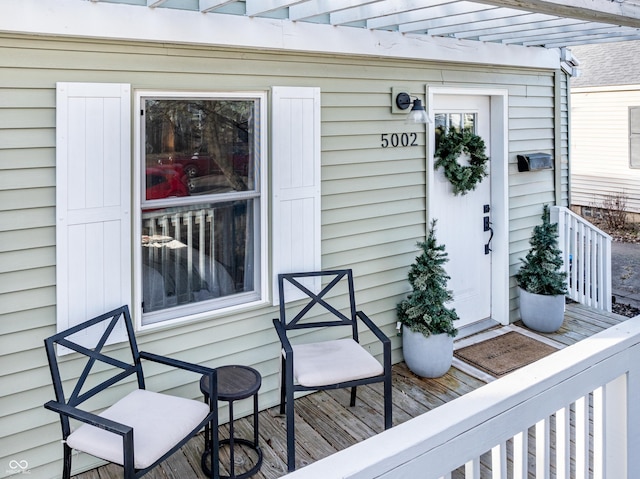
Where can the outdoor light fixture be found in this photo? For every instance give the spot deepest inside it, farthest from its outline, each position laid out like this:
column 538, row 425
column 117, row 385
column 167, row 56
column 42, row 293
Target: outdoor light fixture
column 417, row 113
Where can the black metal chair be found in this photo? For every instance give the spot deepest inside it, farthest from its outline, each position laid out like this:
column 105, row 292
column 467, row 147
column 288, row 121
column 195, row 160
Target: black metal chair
column 329, row 364
column 138, row 431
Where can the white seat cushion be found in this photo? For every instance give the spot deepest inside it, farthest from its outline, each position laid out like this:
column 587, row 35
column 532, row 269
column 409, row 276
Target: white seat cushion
column 159, row 422
column 332, row 362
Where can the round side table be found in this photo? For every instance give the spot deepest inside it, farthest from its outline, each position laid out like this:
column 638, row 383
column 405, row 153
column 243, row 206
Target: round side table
column 235, row 383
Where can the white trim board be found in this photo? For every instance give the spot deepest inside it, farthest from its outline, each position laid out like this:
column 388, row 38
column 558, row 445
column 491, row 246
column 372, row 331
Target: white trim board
column 81, row 18
column 499, row 100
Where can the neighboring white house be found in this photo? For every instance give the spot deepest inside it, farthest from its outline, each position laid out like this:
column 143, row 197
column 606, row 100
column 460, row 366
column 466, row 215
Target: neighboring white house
column 605, row 124
column 308, row 163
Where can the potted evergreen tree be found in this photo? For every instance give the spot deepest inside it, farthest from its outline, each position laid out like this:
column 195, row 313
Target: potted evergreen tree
column 541, row 281
column 427, row 324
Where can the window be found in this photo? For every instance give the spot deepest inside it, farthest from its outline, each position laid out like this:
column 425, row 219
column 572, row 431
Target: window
column 457, row 121
column 200, row 221
column 634, row 136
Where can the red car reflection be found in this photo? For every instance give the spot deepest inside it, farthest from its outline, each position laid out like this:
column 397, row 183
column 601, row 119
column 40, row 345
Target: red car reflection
column 164, row 181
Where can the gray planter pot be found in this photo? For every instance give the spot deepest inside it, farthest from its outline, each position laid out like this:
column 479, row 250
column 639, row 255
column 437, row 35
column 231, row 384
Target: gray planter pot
column 427, row 357
column 541, row 312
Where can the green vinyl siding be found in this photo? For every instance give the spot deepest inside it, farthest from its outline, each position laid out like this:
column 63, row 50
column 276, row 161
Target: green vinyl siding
column 373, row 200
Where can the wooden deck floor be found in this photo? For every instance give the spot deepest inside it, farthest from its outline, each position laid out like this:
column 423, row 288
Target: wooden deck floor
column 325, row 423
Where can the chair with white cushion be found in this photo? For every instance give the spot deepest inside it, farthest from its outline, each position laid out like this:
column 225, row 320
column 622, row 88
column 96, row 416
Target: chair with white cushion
column 336, row 361
column 141, row 429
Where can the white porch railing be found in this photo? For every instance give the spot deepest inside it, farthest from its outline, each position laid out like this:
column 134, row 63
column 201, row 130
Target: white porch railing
column 587, row 259
column 574, row 414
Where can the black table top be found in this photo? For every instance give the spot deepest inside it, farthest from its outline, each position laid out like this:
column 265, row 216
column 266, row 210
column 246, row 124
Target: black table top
column 234, row 382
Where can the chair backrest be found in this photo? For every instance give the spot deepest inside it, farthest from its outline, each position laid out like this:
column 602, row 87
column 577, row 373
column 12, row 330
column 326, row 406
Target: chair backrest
column 331, row 298
column 124, row 365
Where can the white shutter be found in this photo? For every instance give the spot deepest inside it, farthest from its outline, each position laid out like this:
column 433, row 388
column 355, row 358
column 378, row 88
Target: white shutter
column 295, row 181
column 93, row 189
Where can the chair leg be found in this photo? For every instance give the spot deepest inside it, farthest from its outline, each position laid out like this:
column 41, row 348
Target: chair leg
column 291, row 430
column 354, row 390
column 388, row 402
column 66, row 461
column 283, row 385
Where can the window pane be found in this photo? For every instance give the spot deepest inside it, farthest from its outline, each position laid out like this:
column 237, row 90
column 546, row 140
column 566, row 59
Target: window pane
column 456, row 121
column 197, row 253
column 198, row 146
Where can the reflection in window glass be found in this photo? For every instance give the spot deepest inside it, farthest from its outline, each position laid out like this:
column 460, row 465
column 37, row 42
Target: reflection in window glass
column 206, row 144
column 456, row 121
column 200, row 250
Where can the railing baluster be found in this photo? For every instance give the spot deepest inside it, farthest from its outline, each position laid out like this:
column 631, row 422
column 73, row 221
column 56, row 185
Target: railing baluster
column 520, row 452
column 499, row 461
column 542, row 449
column 188, row 215
column 587, row 256
column 598, row 434
column 563, row 445
column 177, row 254
column 202, row 232
column 582, row 438
column 472, row 469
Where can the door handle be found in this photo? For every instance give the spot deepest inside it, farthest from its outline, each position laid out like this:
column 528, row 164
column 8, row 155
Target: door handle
column 487, row 227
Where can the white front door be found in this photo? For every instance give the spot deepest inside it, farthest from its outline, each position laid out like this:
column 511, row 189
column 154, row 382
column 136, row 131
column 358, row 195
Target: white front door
column 461, row 224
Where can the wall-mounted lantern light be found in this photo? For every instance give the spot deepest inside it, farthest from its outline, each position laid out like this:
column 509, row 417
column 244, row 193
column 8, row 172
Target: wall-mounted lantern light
column 417, row 113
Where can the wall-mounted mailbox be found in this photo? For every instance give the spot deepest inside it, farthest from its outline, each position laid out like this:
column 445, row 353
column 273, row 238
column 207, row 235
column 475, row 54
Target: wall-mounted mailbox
column 534, row 161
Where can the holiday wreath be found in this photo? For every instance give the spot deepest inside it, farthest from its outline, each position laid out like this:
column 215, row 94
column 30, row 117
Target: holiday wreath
column 450, row 147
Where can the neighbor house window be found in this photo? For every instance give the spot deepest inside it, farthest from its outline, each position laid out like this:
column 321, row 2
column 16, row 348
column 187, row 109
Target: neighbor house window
column 200, row 204
column 634, row 136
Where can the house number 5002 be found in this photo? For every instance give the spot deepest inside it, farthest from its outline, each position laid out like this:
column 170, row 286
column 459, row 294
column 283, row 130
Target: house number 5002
column 395, row 140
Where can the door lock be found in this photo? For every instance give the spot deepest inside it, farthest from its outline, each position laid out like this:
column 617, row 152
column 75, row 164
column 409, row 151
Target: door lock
column 487, row 227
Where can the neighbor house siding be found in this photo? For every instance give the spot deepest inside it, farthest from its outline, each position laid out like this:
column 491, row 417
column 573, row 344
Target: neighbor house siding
column 600, row 145
column 373, row 200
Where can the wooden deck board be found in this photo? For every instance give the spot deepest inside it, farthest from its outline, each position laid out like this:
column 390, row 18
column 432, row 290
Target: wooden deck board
column 325, row 423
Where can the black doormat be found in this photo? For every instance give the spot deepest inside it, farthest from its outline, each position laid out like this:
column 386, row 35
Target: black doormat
column 505, row 353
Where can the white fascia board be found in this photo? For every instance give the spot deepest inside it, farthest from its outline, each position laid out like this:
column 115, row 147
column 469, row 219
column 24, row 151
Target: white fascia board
column 81, row 18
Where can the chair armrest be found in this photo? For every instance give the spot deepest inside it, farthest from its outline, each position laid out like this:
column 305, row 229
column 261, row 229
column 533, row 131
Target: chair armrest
column 374, row 328
column 176, row 363
column 195, row 368
column 89, row 418
column 282, row 334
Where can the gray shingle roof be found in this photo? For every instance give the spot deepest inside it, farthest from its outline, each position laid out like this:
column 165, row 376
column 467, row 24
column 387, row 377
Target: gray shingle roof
column 608, row 64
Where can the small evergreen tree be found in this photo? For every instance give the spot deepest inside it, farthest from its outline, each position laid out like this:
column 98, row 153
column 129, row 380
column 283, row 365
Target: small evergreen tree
column 424, row 309
column 540, row 272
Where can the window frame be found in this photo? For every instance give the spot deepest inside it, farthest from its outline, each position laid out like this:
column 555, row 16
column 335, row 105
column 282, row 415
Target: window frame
column 181, row 314
column 634, row 134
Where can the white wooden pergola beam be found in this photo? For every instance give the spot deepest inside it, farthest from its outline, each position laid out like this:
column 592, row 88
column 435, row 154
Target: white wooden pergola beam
column 437, row 9
column 377, row 9
column 211, row 5
column 521, row 36
column 594, row 33
column 582, row 41
column 454, row 22
column 605, row 11
column 320, row 7
column 258, row 7
column 515, row 24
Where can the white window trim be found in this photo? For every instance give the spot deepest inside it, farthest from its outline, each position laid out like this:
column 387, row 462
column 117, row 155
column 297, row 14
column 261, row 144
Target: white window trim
column 261, row 178
column 634, row 132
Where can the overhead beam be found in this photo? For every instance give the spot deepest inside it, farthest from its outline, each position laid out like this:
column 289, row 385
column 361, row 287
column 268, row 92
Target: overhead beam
column 604, row 11
column 206, row 6
column 258, row 7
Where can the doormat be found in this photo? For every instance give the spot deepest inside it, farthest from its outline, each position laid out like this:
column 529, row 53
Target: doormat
column 504, row 354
